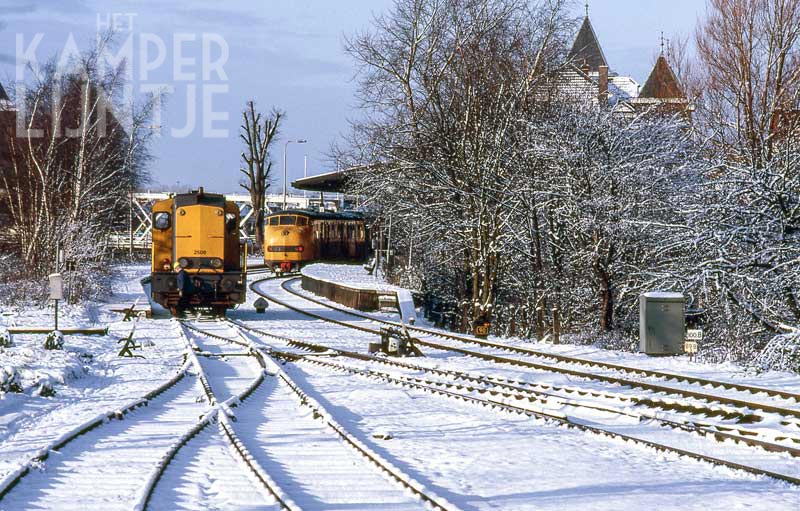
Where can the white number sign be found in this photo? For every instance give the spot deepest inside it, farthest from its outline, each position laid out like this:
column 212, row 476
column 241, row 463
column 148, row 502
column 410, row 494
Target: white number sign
column 694, row 335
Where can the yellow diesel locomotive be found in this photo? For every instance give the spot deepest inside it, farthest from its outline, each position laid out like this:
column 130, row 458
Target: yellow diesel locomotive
column 197, row 259
column 296, row 237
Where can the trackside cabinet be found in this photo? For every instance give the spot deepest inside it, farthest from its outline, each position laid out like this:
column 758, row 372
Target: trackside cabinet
column 662, row 323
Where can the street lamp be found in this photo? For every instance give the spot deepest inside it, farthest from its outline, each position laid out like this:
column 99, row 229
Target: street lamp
column 285, row 145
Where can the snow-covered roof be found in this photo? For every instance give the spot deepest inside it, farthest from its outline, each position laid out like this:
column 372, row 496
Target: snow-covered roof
column 626, row 84
column 664, row 294
column 574, row 83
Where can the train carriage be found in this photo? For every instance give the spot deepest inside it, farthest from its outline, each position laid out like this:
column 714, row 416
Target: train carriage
column 293, row 238
column 199, row 233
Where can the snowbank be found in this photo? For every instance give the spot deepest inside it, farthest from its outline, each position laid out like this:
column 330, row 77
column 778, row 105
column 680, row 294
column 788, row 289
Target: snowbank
column 355, row 276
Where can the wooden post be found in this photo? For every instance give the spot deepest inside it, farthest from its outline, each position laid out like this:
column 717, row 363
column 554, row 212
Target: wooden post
column 540, row 322
column 556, row 326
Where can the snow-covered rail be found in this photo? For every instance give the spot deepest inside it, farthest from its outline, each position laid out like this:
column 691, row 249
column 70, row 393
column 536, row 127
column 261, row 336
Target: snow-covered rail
column 515, row 391
column 563, row 397
column 532, row 405
column 222, row 411
column 328, row 463
column 778, row 402
column 92, row 463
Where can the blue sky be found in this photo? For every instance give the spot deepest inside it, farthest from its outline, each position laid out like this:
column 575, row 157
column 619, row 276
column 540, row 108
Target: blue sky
column 287, row 54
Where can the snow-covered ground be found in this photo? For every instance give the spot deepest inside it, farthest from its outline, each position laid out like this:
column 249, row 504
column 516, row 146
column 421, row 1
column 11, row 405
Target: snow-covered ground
column 474, row 457
column 349, row 275
column 726, row 371
column 88, row 377
column 480, row 459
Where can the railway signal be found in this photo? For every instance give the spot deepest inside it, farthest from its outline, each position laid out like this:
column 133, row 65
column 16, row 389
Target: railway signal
column 56, row 292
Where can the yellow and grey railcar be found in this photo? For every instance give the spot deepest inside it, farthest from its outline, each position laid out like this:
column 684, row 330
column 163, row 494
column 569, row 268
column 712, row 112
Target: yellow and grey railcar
column 199, row 232
column 293, row 238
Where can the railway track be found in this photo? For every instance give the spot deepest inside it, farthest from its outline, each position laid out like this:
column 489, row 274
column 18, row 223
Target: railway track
column 516, row 391
column 515, row 398
column 555, row 397
column 322, row 456
column 787, row 407
column 111, row 463
column 87, row 459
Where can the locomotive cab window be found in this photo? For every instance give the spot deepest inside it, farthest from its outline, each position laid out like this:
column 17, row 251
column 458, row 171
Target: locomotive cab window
column 161, row 220
column 288, row 220
column 273, row 220
column 301, row 220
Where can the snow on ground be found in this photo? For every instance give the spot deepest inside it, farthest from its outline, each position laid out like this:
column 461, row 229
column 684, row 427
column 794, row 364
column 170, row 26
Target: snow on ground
column 204, row 476
column 476, row 457
column 350, row 275
column 103, row 470
column 87, row 376
column 726, row 371
column 481, row 459
column 510, row 462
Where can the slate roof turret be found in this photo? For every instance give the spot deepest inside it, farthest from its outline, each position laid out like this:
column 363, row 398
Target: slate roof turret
column 586, row 48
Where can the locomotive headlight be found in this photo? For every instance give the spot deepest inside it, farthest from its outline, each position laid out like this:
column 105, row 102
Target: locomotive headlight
column 227, row 285
column 216, row 262
column 183, row 262
column 300, row 248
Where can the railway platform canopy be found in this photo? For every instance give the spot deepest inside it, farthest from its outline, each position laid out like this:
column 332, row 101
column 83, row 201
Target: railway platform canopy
column 328, row 182
column 335, row 181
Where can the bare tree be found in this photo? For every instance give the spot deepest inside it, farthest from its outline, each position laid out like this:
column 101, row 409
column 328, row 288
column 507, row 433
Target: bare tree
column 258, row 133
column 683, row 64
column 70, row 162
column 749, row 53
column 444, row 83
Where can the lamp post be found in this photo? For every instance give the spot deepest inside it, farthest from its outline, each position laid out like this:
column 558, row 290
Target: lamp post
column 285, row 145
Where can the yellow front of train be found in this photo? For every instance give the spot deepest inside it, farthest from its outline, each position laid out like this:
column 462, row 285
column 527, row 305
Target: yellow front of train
column 288, row 241
column 198, row 233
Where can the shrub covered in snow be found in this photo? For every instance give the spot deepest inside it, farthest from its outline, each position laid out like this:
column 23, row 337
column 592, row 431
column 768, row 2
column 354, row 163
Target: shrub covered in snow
column 5, row 338
column 45, row 387
column 54, row 341
column 782, row 353
column 10, row 380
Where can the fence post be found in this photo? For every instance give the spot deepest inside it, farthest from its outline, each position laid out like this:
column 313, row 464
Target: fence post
column 556, row 326
column 540, row 322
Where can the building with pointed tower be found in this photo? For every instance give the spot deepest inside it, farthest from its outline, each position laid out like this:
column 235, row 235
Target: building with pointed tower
column 586, row 51
column 662, row 90
column 587, row 76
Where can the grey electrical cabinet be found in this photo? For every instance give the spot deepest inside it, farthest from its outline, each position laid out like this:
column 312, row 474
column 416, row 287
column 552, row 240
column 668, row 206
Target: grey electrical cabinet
column 662, row 323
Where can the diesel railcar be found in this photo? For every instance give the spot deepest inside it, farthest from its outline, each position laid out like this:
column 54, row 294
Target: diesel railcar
column 197, row 258
column 295, row 237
